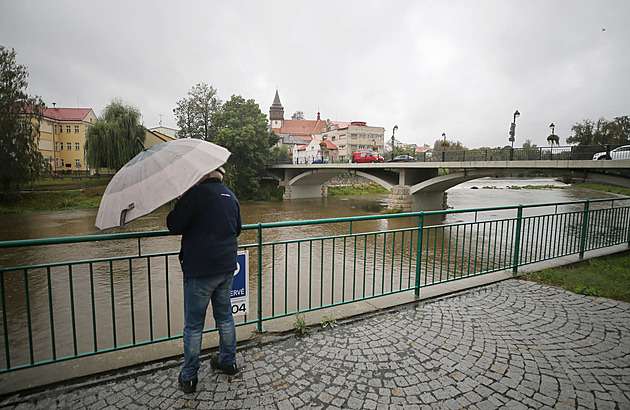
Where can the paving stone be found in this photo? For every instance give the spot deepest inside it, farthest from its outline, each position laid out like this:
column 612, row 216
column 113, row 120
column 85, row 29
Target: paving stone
column 513, row 344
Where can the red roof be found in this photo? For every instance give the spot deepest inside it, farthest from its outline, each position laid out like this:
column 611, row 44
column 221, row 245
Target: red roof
column 67, row 114
column 301, row 127
column 330, row 145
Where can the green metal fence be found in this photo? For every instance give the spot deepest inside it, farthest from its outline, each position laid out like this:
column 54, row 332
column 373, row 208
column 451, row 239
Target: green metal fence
column 125, row 290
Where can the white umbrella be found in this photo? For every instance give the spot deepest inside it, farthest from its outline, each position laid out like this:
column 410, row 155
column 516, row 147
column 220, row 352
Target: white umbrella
column 156, row 176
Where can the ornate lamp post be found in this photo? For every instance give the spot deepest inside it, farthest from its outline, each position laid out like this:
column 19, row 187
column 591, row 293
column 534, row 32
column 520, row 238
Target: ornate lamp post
column 512, row 133
column 393, row 132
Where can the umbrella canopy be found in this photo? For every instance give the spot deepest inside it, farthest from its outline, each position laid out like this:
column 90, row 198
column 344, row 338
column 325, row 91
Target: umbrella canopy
column 156, row 176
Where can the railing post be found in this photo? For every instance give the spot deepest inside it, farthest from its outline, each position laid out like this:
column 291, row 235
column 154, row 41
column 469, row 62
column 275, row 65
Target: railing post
column 259, row 327
column 584, row 228
column 517, row 241
column 416, row 292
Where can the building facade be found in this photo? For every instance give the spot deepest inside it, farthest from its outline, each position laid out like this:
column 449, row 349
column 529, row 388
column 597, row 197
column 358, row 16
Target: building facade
column 62, row 137
column 354, row 137
column 347, row 137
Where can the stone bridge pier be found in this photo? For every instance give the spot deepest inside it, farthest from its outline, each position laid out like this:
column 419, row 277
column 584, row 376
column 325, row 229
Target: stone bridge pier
column 401, row 195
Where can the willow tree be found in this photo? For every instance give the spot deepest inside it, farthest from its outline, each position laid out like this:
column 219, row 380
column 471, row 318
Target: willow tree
column 115, row 138
column 20, row 114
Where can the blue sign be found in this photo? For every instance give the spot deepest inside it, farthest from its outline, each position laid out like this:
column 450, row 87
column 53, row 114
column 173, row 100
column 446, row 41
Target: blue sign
column 240, row 285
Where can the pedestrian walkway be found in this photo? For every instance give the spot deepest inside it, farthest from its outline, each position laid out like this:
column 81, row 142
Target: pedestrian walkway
column 511, row 344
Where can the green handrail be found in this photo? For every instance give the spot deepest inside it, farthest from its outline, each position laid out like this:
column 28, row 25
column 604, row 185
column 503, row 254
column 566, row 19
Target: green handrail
column 351, row 266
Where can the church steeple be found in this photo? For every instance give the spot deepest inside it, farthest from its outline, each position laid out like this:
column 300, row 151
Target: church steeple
column 276, row 112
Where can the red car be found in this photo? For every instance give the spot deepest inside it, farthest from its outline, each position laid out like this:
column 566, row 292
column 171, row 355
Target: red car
column 367, row 157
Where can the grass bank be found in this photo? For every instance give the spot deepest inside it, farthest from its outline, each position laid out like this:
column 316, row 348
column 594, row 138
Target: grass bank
column 608, row 276
column 56, row 194
column 605, row 188
column 356, row 190
column 53, row 200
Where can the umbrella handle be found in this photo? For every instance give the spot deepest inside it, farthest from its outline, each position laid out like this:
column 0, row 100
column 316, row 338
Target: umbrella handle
column 123, row 213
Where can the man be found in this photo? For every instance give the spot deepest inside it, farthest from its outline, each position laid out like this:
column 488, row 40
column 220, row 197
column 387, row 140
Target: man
column 209, row 218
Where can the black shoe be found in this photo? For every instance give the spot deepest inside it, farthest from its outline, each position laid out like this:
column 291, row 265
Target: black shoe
column 187, row 386
column 230, row 369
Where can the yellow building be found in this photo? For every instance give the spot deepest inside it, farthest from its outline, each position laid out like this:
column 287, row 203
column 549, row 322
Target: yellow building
column 154, row 137
column 62, row 137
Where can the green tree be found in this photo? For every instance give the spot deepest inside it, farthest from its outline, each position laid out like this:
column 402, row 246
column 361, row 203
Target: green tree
column 194, row 113
column 617, row 131
column 528, row 144
column 20, row 115
column 602, row 132
column 448, row 145
column 115, row 137
column 243, row 129
column 298, row 115
column 588, row 132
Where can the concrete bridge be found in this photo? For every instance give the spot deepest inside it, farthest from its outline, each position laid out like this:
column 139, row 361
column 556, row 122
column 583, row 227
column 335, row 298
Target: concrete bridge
column 417, row 186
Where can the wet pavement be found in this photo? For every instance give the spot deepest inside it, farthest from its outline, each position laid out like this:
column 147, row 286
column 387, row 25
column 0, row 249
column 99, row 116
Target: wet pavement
column 512, row 344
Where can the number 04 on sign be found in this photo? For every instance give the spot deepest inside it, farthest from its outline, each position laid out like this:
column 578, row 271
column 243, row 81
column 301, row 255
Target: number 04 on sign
column 240, row 285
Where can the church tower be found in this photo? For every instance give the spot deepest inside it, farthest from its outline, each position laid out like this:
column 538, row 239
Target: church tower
column 276, row 112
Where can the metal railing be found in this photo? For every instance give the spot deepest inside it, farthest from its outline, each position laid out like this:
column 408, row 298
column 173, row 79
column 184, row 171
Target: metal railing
column 126, row 289
column 556, row 153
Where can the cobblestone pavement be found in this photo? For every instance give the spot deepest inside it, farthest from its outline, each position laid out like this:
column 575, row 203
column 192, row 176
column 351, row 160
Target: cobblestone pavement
column 513, row 344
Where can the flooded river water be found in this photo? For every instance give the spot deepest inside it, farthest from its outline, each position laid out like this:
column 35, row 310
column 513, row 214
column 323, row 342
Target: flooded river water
column 486, row 192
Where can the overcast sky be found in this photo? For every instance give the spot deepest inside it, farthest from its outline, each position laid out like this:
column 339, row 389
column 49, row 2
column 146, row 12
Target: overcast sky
column 430, row 67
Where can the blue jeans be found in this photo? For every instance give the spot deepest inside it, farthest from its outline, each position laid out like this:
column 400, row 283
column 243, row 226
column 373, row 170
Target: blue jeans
column 198, row 292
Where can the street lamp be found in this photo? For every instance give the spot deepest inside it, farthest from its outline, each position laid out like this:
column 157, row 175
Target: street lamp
column 512, row 133
column 393, row 132
column 553, row 127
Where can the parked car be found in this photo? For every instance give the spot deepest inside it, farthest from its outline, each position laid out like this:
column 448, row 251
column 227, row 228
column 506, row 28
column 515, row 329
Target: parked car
column 368, row 157
column 320, row 161
column 618, row 153
column 402, row 158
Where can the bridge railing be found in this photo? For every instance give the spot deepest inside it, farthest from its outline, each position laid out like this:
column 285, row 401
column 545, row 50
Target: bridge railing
column 578, row 152
column 125, row 290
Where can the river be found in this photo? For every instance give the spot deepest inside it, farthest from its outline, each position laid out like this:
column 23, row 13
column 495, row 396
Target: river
column 468, row 195
column 480, row 193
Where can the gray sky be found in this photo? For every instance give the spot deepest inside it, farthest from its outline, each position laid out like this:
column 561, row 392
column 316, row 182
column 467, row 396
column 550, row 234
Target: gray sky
column 430, row 67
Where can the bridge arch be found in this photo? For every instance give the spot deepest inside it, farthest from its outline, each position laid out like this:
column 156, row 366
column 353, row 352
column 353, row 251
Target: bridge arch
column 309, row 184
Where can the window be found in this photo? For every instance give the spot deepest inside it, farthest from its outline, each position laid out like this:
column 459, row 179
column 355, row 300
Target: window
column 56, row 162
column 77, row 146
column 61, row 146
column 56, row 132
column 56, row 146
column 353, row 136
column 68, row 129
column 62, row 162
column 69, row 146
column 77, row 163
column 76, row 129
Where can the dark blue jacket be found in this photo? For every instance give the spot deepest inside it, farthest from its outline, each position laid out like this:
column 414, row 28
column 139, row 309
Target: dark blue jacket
column 209, row 218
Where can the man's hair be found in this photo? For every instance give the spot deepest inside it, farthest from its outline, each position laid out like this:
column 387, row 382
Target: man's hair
column 217, row 173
